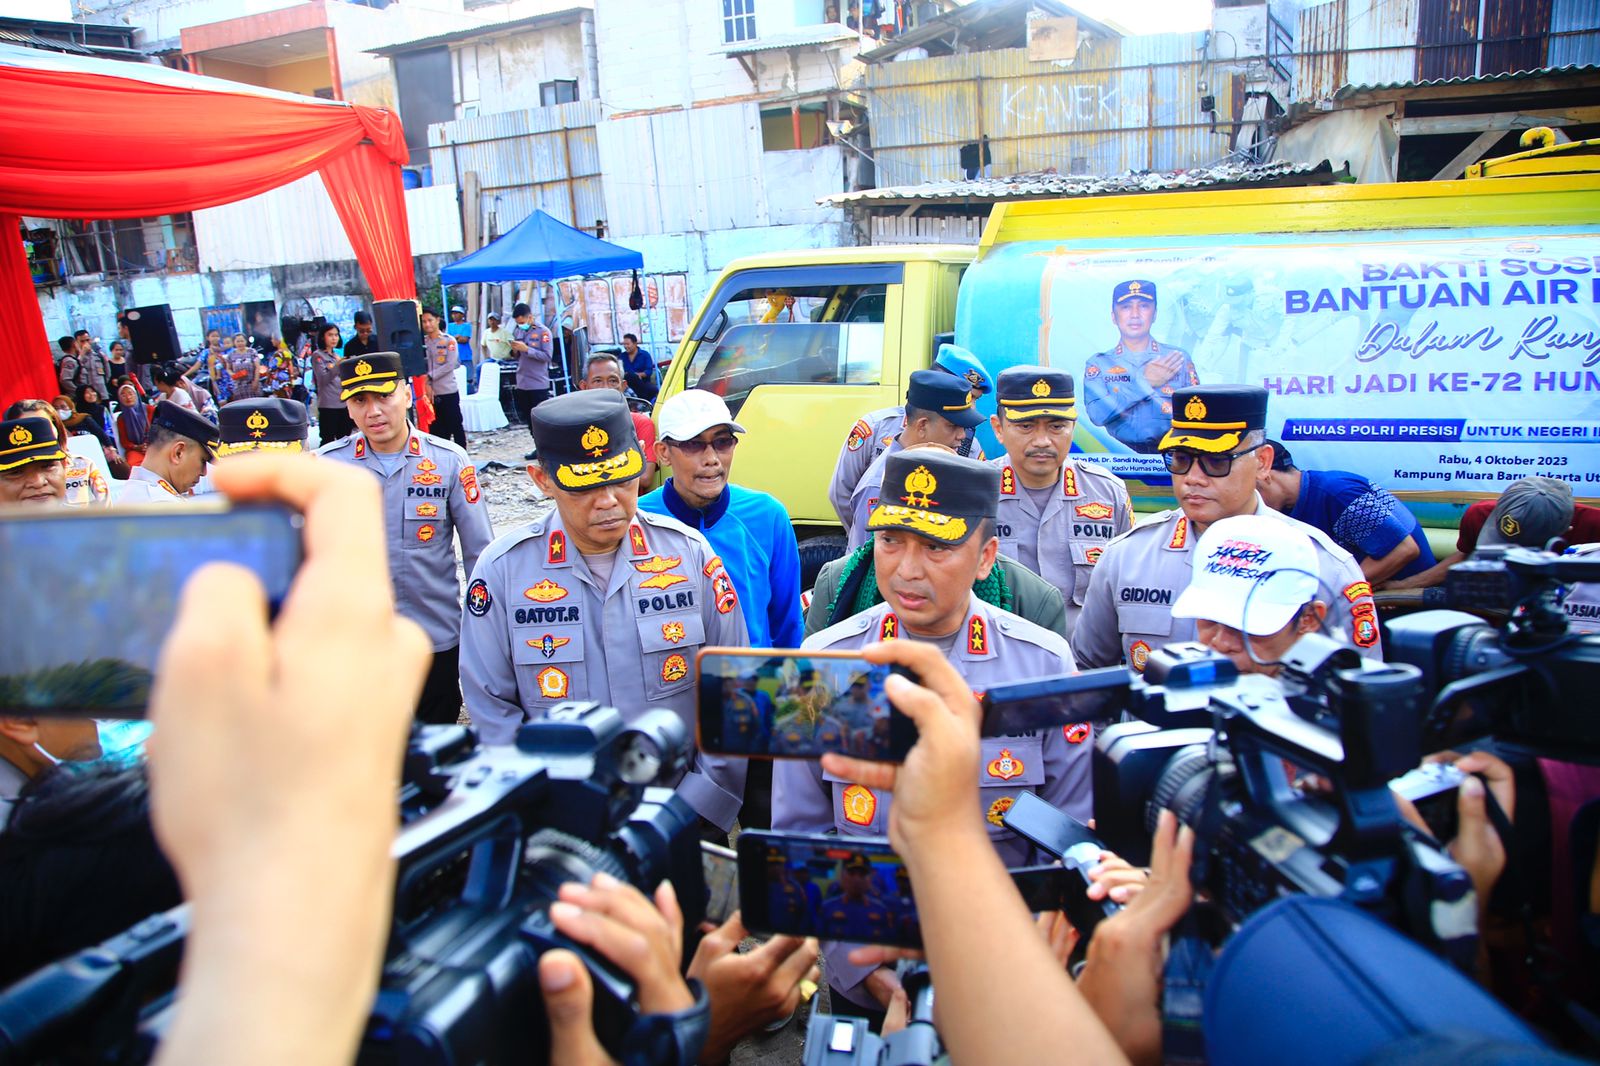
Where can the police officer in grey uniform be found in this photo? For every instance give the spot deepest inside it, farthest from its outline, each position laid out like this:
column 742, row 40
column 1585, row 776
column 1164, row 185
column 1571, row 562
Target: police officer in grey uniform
column 933, row 537
column 598, row 600
column 876, row 430
column 180, row 445
column 1215, row 453
column 1057, row 513
column 430, row 490
column 1129, row 388
column 939, row 410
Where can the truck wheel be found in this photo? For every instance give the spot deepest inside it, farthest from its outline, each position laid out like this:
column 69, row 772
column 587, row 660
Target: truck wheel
column 815, row 553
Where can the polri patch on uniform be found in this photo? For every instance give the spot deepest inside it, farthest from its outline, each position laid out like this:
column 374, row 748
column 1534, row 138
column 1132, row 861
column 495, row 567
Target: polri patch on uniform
column 557, row 550
column 1006, row 766
column 552, row 683
column 1138, row 655
column 659, row 564
column 1076, row 733
column 663, row 581
column 713, row 564
column 672, row 632
column 674, row 668
column 722, row 589
column 1092, row 370
column 1093, row 555
column 1357, row 589
column 427, row 510
column 977, row 636
column 1095, row 512
column 889, row 628
column 858, row 805
column 478, row 598
column 997, row 810
column 425, row 532
column 469, row 483
column 858, row 435
column 548, row 644
column 1364, row 616
column 546, row 591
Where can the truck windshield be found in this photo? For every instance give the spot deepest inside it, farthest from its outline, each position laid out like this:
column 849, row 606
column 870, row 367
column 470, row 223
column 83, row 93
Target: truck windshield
column 820, row 334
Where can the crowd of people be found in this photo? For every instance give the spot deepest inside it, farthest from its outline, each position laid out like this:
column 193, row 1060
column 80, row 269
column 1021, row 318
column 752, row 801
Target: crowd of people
column 969, row 571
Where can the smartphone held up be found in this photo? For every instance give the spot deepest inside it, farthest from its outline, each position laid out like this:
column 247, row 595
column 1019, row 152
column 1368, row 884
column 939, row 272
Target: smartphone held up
column 105, row 584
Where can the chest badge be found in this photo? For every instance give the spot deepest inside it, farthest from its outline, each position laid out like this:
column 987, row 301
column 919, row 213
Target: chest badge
column 858, row 805
column 427, row 510
column 997, row 810
column 546, row 591
column 426, row 473
column 662, row 581
column 552, row 683
column 675, row 668
column 425, row 533
column 548, row 644
column 1006, row 766
column 658, row 564
column 1093, row 555
column 1095, row 512
column 672, row 632
column 1138, row 655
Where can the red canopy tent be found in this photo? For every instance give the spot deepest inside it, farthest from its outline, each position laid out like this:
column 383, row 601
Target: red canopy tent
column 94, row 138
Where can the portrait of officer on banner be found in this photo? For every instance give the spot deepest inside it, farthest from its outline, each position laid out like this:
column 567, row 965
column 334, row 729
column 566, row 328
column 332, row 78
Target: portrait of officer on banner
column 1128, row 388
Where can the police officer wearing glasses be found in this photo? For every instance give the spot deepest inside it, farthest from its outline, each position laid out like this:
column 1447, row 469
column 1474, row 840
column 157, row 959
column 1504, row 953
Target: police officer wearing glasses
column 1216, row 454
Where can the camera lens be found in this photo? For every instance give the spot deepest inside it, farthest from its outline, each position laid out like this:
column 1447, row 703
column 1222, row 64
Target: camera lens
column 1181, row 787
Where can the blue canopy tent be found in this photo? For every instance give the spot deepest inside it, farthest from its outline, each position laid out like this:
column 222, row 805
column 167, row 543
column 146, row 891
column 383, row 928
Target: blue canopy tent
column 539, row 248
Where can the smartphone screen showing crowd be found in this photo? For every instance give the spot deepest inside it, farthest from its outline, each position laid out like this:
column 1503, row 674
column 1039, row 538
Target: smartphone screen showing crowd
column 851, row 889
column 798, row 705
column 111, row 580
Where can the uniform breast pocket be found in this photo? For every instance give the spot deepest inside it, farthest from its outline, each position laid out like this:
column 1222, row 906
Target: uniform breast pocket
column 1084, row 556
column 668, row 644
column 425, row 524
column 1009, row 765
column 549, row 663
column 1144, row 627
column 857, row 809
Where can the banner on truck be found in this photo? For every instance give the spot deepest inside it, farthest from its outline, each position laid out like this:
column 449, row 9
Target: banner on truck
column 1424, row 364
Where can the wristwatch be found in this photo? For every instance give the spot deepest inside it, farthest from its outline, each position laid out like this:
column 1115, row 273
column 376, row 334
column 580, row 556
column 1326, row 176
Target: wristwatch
column 670, row 1039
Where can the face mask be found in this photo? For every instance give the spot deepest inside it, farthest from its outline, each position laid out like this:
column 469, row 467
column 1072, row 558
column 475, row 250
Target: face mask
column 121, row 745
column 64, row 414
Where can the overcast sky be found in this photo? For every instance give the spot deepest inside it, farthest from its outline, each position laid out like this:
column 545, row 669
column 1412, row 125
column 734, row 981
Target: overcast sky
column 1150, row 16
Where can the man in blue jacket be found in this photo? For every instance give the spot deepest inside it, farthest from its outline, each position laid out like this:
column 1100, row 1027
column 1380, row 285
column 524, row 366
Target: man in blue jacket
column 748, row 529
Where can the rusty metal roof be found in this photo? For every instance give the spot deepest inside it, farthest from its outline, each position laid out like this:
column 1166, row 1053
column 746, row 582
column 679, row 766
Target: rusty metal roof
column 1476, row 79
column 1040, row 186
column 487, row 29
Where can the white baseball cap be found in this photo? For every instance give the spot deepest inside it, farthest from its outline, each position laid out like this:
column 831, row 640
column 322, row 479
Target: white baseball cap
column 1251, row 573
column 692, row 412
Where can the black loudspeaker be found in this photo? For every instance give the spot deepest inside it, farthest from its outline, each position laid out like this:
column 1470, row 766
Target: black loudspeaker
column 154, row 336
column 397, row 327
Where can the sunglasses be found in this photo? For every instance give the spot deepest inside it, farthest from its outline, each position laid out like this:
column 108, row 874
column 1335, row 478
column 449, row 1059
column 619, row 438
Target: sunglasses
column 1180, row 462
column 696, row 448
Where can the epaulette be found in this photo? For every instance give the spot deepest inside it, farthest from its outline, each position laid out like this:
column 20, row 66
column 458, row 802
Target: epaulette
column 1018, row 628
column 849, row 627
column 506, row 541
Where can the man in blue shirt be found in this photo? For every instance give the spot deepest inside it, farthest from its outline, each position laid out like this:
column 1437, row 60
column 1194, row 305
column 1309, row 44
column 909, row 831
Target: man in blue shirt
column 1367, row 521
column 639, row 368
column 749, row 530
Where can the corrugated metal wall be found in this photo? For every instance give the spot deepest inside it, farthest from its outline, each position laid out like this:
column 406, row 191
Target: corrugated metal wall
column 1574, row 33
column 1131, row 103
column 1320, row 43
column 1381, row 35
column 1515, row 35
column 543, row 157
column 688, row 169
column 296, row 223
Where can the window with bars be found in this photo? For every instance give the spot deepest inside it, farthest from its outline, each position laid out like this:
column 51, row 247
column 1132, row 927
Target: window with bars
column 738, row 21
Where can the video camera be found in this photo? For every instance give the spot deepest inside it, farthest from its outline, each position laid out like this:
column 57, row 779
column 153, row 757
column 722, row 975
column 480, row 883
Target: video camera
column 488, row 837
column 835, row 1040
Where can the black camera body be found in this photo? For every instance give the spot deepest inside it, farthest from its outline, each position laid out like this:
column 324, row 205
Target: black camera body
column 1216, row 748
column 834, row 1040
column 488, row 837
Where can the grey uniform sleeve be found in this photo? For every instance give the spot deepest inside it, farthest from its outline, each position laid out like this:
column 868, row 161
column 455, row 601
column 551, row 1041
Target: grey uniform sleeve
column 1096, row 640
column 473, row 526
column 488, row 678
column 715, row 786
column 1122, row 521
column 846, row 474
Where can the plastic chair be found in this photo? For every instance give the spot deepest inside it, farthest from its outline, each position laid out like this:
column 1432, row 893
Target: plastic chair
column 481, row 411
column 461, row 380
